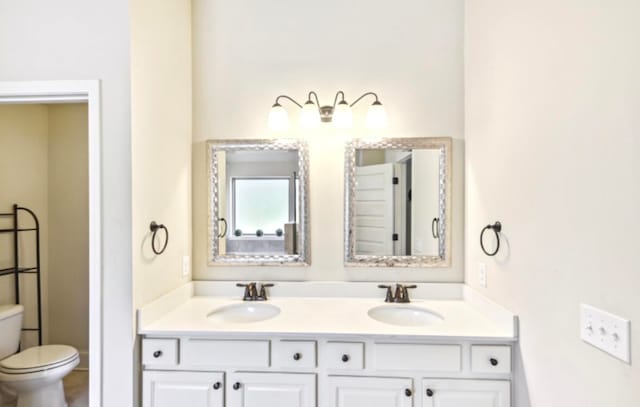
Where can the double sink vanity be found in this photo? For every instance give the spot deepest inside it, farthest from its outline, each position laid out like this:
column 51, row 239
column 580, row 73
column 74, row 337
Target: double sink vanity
column 326, row 344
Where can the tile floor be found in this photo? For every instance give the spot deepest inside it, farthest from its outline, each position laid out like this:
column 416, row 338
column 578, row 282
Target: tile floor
column 76, row 388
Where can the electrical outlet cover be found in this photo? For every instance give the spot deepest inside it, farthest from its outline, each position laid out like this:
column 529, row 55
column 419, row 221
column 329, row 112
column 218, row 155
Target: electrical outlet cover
column 482, row 274
column 186, row 266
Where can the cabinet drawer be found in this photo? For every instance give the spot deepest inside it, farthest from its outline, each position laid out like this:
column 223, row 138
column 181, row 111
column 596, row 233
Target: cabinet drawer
column 236, row 353
column 343, row 355
column 490, row 359
column 159, row 352
column 406, row 356
column 301, row 354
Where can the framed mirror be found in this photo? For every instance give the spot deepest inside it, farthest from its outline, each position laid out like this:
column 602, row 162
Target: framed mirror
column 258, row 202
column 398, row 202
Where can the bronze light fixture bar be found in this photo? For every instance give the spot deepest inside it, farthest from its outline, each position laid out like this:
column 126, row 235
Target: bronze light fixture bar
column 339, row 113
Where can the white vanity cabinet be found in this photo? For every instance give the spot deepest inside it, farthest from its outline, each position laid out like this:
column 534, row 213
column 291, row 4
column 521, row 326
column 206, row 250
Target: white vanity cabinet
column 353, row 371
column 350, row 391
column 466, row 393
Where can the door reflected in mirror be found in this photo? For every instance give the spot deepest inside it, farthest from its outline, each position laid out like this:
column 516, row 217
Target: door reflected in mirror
column 257, row 200
column 397, row 199
column 397, row 202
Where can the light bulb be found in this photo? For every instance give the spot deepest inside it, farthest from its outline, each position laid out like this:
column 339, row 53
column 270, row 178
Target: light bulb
column 278, row 118
column 376, row 116
column 309, row 117
column 342, row 117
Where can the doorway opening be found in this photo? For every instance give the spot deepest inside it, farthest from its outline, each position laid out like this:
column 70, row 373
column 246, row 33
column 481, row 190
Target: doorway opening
column 50, row 158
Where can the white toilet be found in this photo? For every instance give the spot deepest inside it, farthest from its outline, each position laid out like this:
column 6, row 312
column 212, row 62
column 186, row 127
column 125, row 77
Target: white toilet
column 34, row 375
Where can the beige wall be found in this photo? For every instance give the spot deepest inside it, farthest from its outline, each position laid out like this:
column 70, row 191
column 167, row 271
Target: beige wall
column 161, row 142
column 247, row 53
column 23, row 167
column 78, row 39
column 552, row 132
column 68, row 238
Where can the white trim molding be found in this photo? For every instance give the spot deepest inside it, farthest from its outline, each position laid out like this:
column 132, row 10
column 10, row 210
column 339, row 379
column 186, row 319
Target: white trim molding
column 86, row 91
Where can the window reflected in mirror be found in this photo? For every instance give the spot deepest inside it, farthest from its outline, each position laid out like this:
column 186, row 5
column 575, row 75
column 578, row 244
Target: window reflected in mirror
column 261, row 206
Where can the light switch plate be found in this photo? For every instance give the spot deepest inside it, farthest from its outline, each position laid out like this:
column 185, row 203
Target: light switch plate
column 606, row 331
column 482, row 274
column 186, row 266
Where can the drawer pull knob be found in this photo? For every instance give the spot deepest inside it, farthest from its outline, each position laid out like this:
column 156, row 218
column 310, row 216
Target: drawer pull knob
column 407, row 392
column 236, row 386
column 157, row 354
column 493, row 361
column 429, row 393
column 297, row 356
column 345, row 358
column 216, row 385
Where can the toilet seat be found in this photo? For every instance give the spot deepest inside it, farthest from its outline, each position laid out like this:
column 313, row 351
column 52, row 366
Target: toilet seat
column 38, row 359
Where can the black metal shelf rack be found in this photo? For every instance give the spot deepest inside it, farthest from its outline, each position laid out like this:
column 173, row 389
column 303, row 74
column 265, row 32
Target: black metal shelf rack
column 18, row 271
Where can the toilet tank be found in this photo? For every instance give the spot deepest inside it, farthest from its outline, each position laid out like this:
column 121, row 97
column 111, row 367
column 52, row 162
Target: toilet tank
column 11, row 328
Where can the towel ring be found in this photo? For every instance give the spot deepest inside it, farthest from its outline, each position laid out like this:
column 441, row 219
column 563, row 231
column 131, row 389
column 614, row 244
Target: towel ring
column 435, row 228
column 224, row 233
column 497, row 228
column 154, row 228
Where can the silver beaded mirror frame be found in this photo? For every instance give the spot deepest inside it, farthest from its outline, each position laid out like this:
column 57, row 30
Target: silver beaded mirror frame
column 442, row 229
column 302, row 257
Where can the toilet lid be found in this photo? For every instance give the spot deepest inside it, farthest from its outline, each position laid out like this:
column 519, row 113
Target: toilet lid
column 38, row 358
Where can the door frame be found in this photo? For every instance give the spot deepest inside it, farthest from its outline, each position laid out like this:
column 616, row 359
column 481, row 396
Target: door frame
column 85, row 91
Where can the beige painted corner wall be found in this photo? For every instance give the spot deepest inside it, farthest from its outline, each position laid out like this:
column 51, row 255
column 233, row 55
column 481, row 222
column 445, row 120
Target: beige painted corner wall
column 24, row 137
column 73, row 40
column 553, row 137
column 247, row 53
column 161, row 142
column 68, row 238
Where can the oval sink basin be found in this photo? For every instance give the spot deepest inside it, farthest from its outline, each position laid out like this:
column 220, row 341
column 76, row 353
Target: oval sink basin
column 244, row 313
column 404, row 315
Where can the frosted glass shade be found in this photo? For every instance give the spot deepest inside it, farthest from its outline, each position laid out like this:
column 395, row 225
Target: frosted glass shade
column 342, row 117
column 376, row 116
column 278, row 118
column 309, row 117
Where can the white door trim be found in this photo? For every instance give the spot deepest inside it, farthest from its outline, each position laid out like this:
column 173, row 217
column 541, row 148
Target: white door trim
column 74, row 92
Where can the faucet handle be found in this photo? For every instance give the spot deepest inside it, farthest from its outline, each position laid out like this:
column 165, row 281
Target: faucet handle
column 405, row 293
column 249, row 290
column 263, row 293
column 389, row 297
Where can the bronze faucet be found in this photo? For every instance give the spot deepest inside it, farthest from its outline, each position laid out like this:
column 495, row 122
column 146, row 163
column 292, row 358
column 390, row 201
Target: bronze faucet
column 401, row 293
column 252, row 293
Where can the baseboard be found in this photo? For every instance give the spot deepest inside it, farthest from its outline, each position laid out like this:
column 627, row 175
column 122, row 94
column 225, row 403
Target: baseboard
column 84, row 361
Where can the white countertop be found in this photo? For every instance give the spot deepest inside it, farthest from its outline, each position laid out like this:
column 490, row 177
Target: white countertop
column 466, row 314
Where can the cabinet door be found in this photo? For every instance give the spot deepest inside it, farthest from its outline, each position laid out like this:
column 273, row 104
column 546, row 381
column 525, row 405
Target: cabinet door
column 271, row 389
column 346, row 391
column 466, row 393
column 176, row 389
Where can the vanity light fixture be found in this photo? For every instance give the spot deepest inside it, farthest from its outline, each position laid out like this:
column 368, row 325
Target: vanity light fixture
column 339, row 113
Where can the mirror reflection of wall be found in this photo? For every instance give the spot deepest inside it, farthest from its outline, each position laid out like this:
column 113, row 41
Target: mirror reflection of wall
column 397, row 202
column 258, row 201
